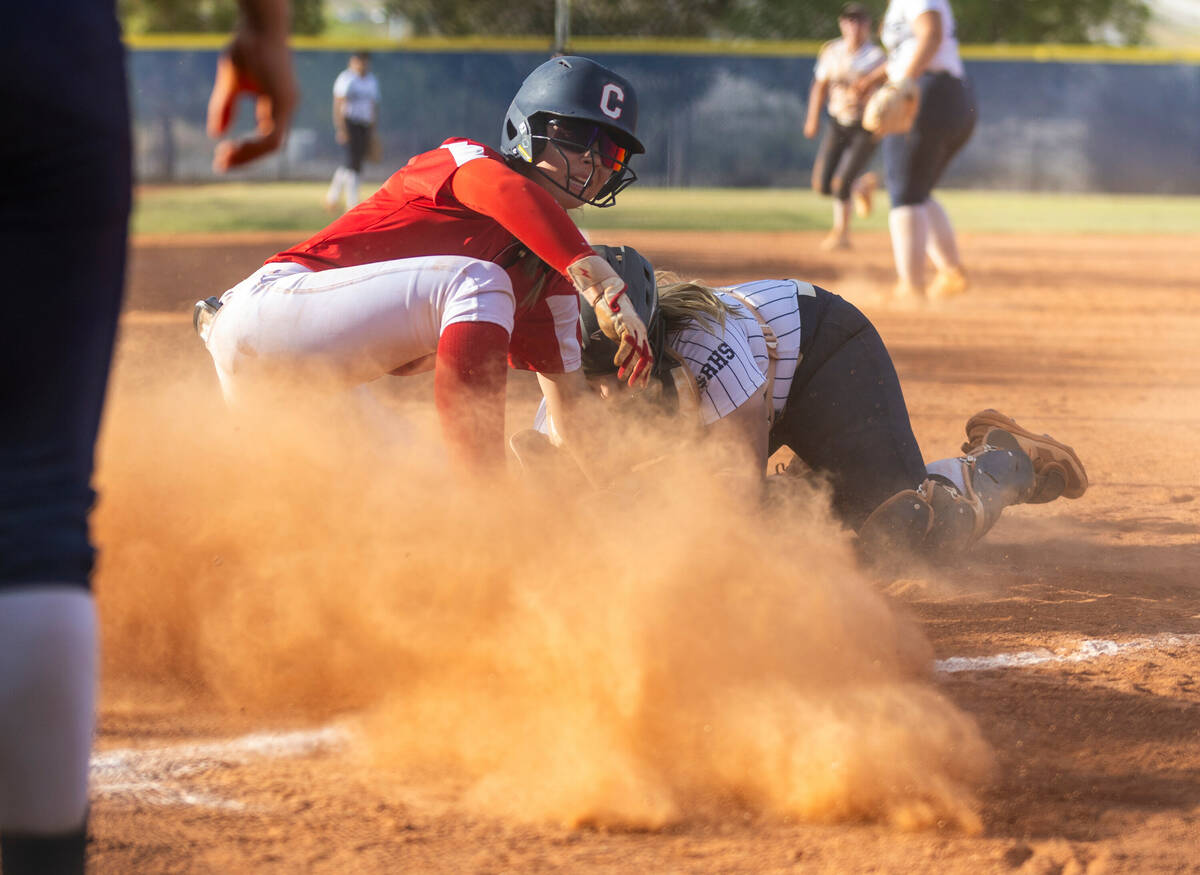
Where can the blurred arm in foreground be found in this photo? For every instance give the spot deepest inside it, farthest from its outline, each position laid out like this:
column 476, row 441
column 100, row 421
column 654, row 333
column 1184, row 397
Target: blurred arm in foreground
column 257, row 61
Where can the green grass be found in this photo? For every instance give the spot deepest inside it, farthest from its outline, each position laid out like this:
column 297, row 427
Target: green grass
column 296, row 206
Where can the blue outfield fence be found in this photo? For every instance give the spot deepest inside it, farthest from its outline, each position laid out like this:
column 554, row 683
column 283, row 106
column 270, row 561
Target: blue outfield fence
column 708, row 119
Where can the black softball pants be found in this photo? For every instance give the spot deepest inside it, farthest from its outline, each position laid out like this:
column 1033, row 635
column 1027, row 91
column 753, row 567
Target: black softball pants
column 358, row 140
column 843, row 155
column 914, row 162
column 846, row 416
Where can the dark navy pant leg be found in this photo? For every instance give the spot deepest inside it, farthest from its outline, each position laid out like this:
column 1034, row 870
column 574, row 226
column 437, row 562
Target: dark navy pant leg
column 846, row 415
column 64, row 207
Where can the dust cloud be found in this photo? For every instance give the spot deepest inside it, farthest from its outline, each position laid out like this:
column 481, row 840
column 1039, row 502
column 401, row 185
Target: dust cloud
column 629, row 657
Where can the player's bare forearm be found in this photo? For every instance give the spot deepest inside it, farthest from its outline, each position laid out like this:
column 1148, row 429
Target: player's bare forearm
column 258, row 61
column 268, row 17
column 928, row 30
column 816, row 100
column 871, row 81
column 576, row 414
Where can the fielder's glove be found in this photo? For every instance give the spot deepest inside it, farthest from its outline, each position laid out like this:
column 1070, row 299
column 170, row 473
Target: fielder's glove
column 595, row 279
column 892, row 109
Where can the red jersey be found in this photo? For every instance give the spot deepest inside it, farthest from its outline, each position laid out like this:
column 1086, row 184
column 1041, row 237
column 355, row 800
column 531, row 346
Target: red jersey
column 462, row 199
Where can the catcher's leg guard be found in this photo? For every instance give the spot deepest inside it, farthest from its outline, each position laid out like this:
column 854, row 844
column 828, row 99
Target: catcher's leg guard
column 898, row 526
column 955, row 506
column 955, row 518
column 976, row 487
column 1000, row 474
column 1057, row 469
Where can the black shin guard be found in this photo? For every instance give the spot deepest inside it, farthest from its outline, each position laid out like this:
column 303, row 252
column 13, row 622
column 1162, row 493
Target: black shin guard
column 1000, row 475
column 940, row 521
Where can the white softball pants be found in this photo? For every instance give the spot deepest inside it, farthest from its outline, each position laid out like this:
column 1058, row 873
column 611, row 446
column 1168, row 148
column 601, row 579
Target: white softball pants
column 349, row 325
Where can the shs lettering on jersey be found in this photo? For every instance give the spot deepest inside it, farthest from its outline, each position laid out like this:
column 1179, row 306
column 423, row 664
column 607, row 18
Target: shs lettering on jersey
column 717, row 360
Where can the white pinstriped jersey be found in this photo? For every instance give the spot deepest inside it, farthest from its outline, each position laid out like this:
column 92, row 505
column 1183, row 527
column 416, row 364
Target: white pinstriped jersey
column 730, row 363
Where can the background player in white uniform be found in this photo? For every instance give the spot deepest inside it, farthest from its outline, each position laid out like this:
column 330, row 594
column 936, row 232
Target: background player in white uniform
column 785, row 363
column 846, row 148
column 355, row 113
column 923, row 49
column 463, row 256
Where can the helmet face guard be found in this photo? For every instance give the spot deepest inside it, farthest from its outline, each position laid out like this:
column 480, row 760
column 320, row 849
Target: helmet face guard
column 600, row 148
column 575, row 105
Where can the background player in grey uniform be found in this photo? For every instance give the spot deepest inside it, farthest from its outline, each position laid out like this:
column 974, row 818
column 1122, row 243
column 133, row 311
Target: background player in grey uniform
column 846, row 148
column 786, row 363
column 923, row 54
column 64, row 200
column 355, row 113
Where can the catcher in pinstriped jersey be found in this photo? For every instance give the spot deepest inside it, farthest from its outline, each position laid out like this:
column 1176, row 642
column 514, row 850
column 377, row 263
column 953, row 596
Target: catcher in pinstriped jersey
column 777, row 363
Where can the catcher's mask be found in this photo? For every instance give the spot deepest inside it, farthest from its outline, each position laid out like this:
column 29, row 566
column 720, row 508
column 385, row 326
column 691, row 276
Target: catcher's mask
column 574, row 104
column 641, row 290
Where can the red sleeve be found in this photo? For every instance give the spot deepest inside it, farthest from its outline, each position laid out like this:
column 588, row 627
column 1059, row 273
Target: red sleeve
column 545, row 336
column 524, row 208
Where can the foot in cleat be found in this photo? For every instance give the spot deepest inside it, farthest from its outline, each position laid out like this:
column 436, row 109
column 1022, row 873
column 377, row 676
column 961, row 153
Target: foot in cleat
column 1057, row 469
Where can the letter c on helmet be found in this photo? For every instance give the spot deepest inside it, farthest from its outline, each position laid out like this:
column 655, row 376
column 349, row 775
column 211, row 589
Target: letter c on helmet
column 612, row 93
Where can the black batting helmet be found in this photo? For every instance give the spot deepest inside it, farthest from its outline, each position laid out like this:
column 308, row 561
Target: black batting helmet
column 642, row 292
column 579, row 104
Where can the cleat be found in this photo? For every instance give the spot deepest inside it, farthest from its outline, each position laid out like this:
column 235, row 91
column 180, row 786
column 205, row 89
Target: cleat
column 949, row 283
column 203, row 314
column 1057, row 469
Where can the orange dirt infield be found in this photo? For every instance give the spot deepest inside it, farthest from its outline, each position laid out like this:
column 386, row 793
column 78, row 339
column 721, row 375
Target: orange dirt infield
column 1094, row 732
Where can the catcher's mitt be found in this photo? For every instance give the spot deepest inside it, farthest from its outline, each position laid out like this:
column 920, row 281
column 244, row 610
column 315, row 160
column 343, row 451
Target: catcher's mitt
column 892, row 109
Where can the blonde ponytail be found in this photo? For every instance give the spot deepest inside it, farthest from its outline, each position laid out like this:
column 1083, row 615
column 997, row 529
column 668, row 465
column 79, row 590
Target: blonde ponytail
column 682, row 300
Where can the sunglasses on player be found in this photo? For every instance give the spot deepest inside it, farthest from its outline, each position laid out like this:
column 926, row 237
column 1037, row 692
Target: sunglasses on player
column 584, row 136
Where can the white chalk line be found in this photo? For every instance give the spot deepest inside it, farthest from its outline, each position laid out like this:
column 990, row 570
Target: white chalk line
column 1087, row 650
column 165, row 776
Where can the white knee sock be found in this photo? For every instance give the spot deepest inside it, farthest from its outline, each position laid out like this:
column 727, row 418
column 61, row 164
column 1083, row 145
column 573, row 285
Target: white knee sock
column 334, row 195
column 351, row 188
column 910, row 230
column 941, row 247
column 952, row 470
column 47, row 707
column 841, row 217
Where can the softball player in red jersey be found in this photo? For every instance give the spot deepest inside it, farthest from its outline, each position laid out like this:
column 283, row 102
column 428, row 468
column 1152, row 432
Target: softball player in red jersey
column 464, row 255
